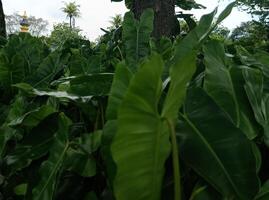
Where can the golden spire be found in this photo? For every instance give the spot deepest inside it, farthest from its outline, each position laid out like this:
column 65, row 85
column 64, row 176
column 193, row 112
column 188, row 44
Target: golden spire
column 24, row 23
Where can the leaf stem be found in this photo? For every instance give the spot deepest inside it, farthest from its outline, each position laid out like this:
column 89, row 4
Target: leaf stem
column 177, row 184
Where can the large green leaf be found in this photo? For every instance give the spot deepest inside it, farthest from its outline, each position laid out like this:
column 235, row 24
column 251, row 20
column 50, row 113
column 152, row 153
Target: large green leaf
column 223, row 155
column 118, row 89
column 203, row 191
column 34, row 117
column 224, row 84
column 136, row 36
column 201, row 32
column 20, row 57
column 184, row 62
column 11, row 71
column 48, row 69
column 141, row 145
column 50, row 93
column 258, row 98
column 80, row 162
column 34, row 145
column 80, row 158
column 17, row 108
column 79, row 65
column 91, row 85
column 45, row 188
column 181, row 73
column 254, row 89
column 264, row 192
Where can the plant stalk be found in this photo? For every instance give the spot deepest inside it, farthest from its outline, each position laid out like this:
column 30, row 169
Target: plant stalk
column 176, row 169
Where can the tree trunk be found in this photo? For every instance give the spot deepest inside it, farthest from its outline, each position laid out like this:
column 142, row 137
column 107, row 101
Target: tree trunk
column 2, row 21
column 165, row 22
column 70, row 21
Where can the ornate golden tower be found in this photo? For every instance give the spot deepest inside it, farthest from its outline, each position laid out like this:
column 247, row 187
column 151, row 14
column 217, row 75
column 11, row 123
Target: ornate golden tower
column 24, row 23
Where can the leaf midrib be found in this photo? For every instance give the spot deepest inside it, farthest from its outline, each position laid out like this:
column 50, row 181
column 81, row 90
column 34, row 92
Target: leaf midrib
column 54, row 169
column 213, row 153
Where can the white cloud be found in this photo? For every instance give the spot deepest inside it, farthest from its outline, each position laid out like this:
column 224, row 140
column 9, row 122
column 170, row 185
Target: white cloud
column 95, row 14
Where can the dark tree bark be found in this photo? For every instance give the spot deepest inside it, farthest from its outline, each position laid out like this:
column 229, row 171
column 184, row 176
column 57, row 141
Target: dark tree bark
column 165, row 22
column 2, row 21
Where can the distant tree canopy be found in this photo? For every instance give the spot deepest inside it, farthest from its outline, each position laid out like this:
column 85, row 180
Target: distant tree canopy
column 62, row 32
column 220, row 33
column 259, row 8
column 38, row 26
column 251, row 34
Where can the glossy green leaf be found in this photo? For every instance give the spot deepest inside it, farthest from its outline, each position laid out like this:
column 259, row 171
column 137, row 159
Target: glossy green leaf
column 136, row 36
column 34, row 117
column 33, row 146
column 203, row 191
column 195, row 38
column 181, row 73
column 50, row 93
column 109, row 132
column 226, row 12
column 11, row 71
column 91, row 142
column 141, row 145
column 49, row 170
column 47, row 70
column 80, row 159
column 254, row 89
column 80, row 162
column 21, row 189
column 184, row 62
column 264, row 192
column 258, row 98
column 118, row 89
column 91, row 85
column 16, row 109
column 223, row 154
column 224, row 84
column 79, row 65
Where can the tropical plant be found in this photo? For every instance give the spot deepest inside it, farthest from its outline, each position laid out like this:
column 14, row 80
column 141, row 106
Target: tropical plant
column 132, row 117
column 115, row 22
column 252, row 35
column 71, row 10
column 61, row 33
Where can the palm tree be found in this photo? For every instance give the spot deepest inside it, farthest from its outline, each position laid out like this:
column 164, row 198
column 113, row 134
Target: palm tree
column 116, row 21
column 72, row 11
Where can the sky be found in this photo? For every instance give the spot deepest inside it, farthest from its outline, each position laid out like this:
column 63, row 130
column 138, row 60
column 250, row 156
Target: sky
column 96, row 14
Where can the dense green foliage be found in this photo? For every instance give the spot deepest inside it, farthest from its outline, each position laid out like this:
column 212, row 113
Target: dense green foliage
column 133, row 118
column 251, row 35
